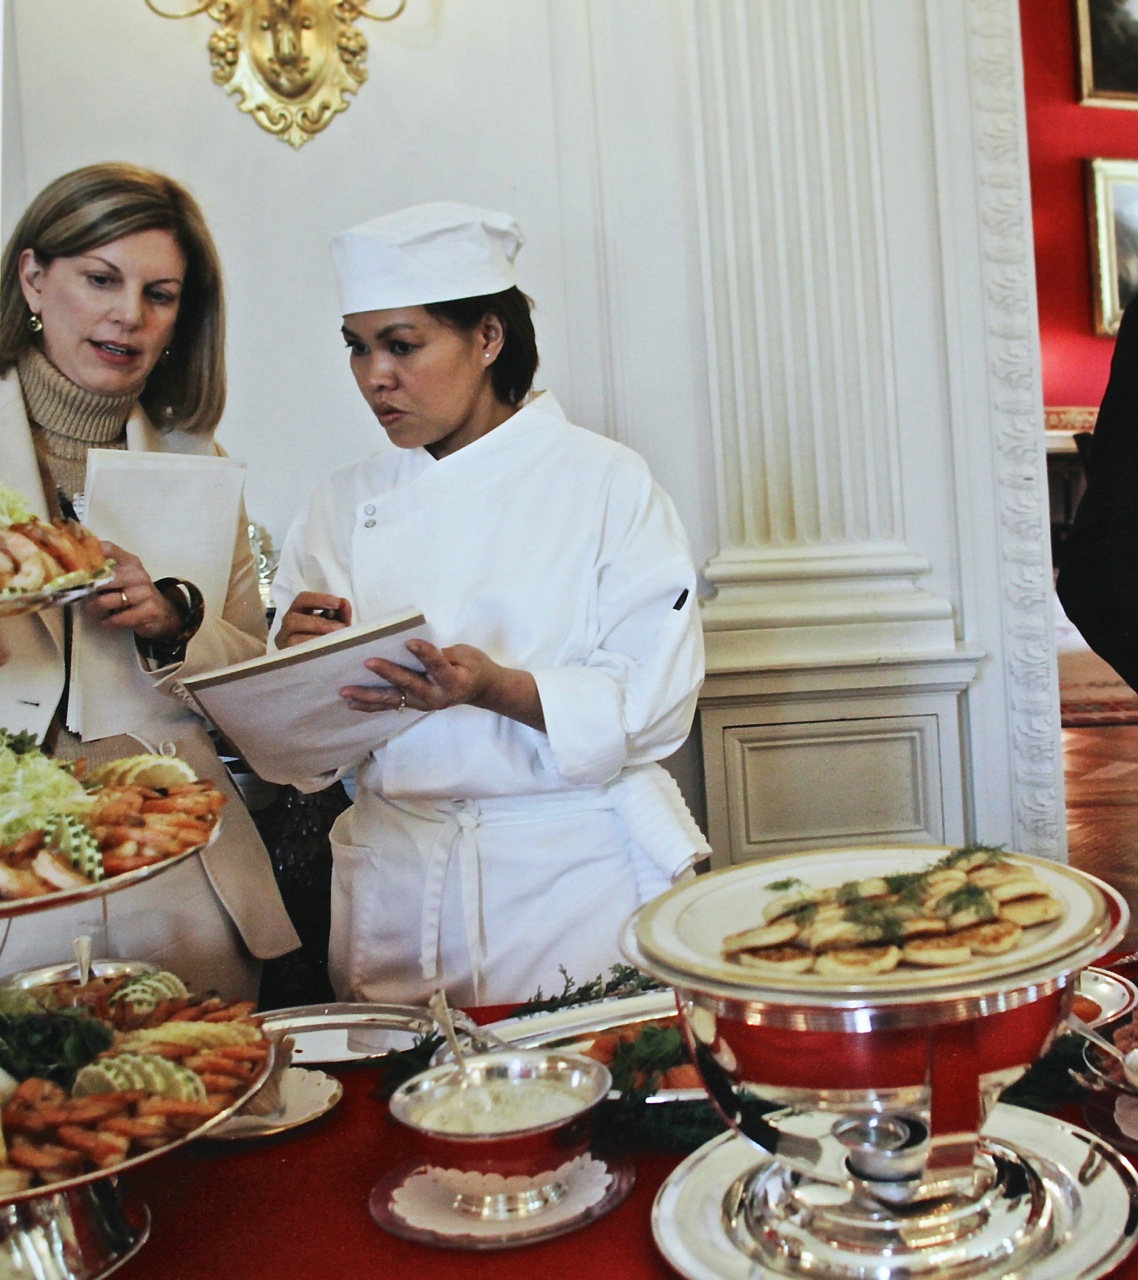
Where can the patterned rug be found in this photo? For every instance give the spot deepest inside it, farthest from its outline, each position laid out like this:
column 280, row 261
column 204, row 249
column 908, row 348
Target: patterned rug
column 1090, row 691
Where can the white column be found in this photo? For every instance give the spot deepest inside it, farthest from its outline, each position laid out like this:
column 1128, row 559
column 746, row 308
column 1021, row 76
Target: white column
column 812, row 553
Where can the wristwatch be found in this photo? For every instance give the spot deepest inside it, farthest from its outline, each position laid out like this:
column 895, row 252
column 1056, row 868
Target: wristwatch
column 187, row 599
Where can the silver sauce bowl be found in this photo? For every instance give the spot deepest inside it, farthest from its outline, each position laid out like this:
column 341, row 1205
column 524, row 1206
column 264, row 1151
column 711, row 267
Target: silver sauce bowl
column 506, row 1167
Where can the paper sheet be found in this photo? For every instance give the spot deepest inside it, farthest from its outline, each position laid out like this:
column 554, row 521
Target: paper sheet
column 178, row 513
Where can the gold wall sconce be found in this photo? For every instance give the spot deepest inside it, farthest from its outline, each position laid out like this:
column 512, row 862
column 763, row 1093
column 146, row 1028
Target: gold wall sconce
column 291, row 61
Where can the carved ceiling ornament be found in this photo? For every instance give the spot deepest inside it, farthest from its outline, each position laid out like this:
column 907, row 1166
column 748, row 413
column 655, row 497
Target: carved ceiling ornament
column 291, row 61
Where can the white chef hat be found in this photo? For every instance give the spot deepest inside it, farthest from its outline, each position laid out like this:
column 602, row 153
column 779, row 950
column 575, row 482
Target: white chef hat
column 428, row 253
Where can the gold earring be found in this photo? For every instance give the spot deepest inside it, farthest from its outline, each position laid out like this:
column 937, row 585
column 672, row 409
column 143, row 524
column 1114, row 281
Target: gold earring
column 35, row 324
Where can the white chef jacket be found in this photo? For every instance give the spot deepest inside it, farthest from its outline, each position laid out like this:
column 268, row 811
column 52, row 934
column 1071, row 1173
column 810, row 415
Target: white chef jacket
column 480, row 852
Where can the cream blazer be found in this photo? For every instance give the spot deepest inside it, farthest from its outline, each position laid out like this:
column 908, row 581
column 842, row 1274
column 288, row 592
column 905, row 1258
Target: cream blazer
column 31, row 681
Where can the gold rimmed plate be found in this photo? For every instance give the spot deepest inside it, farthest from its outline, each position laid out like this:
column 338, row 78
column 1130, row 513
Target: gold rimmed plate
column 683, row 929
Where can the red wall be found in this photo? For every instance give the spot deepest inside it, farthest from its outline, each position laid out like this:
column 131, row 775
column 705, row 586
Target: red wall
column 1061, row 134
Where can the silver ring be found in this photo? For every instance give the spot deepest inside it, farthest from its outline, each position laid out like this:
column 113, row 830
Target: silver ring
column 402, row 700
column 125, row 601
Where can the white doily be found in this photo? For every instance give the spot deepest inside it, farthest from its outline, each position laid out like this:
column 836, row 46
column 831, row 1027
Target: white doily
column 1126, row 1115
column 423, row 1201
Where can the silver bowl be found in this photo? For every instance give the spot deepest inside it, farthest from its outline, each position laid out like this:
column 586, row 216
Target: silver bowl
column 508, row 1162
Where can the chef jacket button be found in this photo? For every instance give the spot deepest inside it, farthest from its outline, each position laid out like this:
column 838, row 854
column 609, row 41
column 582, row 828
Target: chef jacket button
column 369, row 524
column 369, row 510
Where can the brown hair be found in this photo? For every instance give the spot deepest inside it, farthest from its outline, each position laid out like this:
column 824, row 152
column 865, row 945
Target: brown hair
column 511, row 375
column 90, row 207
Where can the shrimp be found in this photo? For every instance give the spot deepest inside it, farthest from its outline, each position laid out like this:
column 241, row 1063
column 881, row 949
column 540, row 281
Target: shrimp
column 20, row 884
column 31, row 572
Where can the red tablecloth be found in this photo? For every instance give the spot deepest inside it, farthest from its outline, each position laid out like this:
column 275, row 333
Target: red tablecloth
column 295, row 1207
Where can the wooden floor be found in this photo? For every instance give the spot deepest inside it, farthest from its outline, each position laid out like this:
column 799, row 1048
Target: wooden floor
column 1101, row 766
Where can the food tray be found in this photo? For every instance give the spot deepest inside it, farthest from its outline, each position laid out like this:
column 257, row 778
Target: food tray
column 112, row 884
column 353, row 1032
column 307, row 1095
column 682, row 931
column 1113, row 994
column 572, row 1029
column 26, row 979
column 15, row 603
column 132, row 1162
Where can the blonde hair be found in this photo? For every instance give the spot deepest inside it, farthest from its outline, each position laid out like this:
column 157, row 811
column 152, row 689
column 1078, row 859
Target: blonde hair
column 90, row 207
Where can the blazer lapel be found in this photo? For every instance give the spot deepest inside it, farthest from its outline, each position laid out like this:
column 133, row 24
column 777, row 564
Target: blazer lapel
column 19, row 469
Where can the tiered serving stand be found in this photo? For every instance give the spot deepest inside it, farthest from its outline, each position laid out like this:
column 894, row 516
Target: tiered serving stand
column 84, row 1227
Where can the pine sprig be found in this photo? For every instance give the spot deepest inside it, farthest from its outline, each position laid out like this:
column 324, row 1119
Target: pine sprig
column 623, row 980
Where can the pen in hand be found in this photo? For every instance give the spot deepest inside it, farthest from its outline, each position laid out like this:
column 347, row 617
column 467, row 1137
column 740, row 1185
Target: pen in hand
column 312, row 614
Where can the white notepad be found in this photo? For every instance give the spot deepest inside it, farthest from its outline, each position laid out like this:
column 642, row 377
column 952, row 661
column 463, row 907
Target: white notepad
column 179, row 514
column 284, row 712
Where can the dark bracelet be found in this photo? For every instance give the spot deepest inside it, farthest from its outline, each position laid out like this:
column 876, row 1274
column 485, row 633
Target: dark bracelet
column 187, row 599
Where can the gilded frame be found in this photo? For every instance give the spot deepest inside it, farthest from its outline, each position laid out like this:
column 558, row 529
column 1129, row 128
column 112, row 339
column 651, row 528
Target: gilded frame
column 1112, row 194
column 1107, row 33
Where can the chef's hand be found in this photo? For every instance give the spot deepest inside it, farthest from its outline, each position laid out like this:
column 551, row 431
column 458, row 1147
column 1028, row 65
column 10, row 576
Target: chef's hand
column 312, row 614
column 456, row 675
column 130, row 600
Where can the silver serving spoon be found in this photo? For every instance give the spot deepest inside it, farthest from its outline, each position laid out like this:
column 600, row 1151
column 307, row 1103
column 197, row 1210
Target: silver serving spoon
column 1129, row 1060
column 82, row 947
column 467, row 1081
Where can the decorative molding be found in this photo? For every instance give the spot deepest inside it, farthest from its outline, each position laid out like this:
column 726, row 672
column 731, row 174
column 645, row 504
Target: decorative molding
column 1021, row 555
column 290, row 63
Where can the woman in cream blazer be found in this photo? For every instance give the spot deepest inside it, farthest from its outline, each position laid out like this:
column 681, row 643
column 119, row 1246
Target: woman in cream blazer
column 77, row 323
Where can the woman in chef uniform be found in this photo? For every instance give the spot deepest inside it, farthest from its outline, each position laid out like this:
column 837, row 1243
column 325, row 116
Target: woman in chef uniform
column 503, row 839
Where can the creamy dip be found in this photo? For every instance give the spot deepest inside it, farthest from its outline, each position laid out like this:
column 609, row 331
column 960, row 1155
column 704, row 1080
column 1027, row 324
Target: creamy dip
column 498, row 1107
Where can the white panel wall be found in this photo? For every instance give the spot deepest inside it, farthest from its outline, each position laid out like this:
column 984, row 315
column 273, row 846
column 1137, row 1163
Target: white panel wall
column 844, row 393
column 464, row 101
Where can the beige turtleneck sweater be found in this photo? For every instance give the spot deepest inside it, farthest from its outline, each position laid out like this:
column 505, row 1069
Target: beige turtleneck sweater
column 67, row 420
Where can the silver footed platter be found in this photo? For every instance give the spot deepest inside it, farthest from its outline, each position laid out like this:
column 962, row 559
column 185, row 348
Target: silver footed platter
column 1053, row 1202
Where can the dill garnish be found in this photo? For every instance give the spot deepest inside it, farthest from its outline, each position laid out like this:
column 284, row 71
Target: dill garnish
column 781, row 886
column 969, row 897
column 995, row 855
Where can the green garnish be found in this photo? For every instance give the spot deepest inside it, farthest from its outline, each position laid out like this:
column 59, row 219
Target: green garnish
column 969, row 897
column 781, row 886
column 638, row 1065
column 910, row 886
column 19, row 743
column 995, row 855
column 51, row 1046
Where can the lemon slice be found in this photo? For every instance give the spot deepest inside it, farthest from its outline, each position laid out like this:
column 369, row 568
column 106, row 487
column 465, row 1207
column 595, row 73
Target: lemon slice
column 159, row 771
column 145, row 770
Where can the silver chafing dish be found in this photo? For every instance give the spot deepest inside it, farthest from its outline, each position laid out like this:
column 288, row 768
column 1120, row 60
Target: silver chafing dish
column 866, row 1099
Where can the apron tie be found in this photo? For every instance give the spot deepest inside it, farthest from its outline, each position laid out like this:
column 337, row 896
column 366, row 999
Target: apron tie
column 458, row 835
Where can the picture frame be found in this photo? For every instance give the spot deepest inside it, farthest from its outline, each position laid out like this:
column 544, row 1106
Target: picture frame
column 1112, row 187
column 1107, row 32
